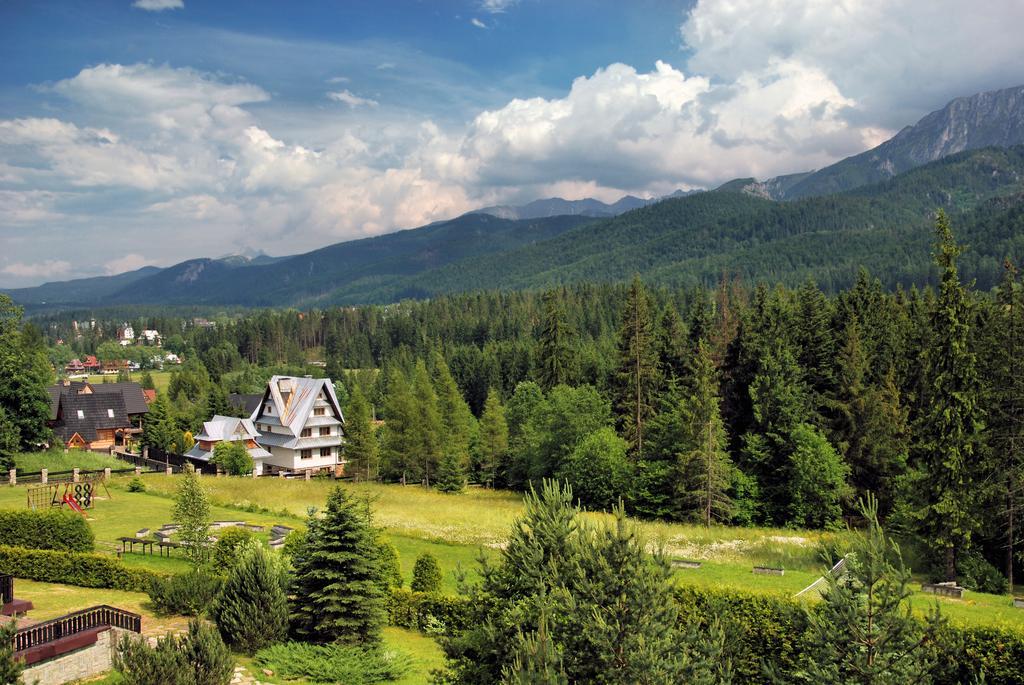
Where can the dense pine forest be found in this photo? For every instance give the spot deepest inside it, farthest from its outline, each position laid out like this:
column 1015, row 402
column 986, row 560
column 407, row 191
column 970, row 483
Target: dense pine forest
column 743, row 404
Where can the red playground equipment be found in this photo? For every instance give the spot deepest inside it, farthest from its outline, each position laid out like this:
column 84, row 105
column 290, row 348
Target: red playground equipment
column 76, row 496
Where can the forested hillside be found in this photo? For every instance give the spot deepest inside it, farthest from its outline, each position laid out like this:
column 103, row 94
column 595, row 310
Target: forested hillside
column 682, row 241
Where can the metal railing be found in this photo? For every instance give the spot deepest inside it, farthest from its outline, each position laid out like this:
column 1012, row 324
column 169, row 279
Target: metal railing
column 102, row 616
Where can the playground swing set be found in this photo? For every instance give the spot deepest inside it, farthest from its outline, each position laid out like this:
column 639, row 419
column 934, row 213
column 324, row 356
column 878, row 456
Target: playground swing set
column 76, row 496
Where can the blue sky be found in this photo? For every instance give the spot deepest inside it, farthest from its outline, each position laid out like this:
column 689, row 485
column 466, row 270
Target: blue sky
column 160, row 130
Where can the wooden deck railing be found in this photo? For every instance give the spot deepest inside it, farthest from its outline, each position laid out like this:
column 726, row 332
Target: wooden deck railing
column 77, row 622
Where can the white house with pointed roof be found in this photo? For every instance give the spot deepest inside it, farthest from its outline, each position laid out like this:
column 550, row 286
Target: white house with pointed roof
column 300, row 424
column 231, row 429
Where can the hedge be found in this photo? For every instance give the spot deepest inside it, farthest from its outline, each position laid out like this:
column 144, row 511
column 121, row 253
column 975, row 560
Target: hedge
column 45, row 529
column 74, row 568
column 766, row 628
column 427, row 611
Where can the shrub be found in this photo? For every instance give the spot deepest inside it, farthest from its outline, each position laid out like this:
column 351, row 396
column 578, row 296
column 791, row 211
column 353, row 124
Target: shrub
column 976, row 573
column 350, row 664
column 293, row 543
column 136, row 485
column 10, row 668
column 45, row 529
column 227, row 547
column 390, row 568
column 426, row 574
column 197, row 658
column 428, row 612
column 233, row 457
column 74, row 568
column 187, row 594
column 252, row 611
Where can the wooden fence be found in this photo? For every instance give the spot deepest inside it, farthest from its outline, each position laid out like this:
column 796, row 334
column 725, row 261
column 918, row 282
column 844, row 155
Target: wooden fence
column 102, row 616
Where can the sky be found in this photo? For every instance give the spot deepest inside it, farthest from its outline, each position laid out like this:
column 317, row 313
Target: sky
column 147, row 132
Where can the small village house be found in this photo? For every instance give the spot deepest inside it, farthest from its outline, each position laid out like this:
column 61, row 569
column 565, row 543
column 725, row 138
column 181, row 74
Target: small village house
column 96, row 417
column 228, row 429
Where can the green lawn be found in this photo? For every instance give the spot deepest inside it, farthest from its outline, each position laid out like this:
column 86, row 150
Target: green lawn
column 58, row 460
column 161, row 379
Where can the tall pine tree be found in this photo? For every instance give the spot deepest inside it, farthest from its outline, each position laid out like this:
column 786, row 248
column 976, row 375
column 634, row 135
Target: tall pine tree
column 427, row 434
column 555, row 356
column 361, row 451
column 951, row 423
column 493, row 441
column 639, row 376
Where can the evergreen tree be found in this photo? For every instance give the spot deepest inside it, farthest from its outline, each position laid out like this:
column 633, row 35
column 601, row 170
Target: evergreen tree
column 638, row 375
column 815, row 341
column 456, row 418
column 360, row 438
column 390, row 567
column 147, row 381
column 864, row 631
column 1008, row 403
column 451, row 474
column 427, row 433
column 705, row 470
column 158, row 428
column 426, row 574
column 217, row 402
column 10, row 668
column 672, row 358
column 337, row 594
column 555, row 358
column 399, row 436
column 537, row 661
column 252, row 610
column 192, row 514
column 951, row 423
column 493, row 442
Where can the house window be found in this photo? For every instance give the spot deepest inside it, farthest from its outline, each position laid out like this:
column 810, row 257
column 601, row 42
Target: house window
column 318, row 411
column 270, row 409
column 306, row 454
column 110, row 413
column 306, row 432
column 325, row 430
column 81, row 414
column 325, row 451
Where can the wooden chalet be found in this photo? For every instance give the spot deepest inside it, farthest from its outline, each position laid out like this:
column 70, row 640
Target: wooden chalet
column 96, row 417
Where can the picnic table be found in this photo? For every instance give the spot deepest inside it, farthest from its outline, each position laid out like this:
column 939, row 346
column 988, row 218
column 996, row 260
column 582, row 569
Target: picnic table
column 128, row 544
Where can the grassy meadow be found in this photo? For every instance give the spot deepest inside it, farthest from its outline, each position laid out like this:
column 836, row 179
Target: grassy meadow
column 161, row 379
column 456, row 529
column 58, row 460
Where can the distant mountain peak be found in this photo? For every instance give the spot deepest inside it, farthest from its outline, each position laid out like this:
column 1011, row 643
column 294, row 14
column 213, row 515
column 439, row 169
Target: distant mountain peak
column 557, row 206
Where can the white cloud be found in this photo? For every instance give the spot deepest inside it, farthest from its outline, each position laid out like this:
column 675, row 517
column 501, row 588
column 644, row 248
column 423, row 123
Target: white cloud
column 159, row 5
column 497, row 6
column 45, row 270
column 477, row 23
column 28, row 206
column 351, row 99
column 338, row 79
column 894, row 59
column 128, row 262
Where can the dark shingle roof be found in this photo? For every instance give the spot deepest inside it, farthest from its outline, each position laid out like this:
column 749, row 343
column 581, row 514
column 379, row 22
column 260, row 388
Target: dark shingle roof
column 131, row 393
column 98, row 411
column 249, row 403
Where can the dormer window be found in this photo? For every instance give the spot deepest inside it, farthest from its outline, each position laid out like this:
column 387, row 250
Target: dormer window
column 318, row 411
column 270, row 409
column 110, row 413
column 81, row 414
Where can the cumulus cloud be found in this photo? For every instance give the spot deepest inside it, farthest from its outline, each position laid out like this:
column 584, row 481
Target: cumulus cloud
column 351, row 99
column 892, row 58
column 477, row 23
column 159, row 5
column 128, row 262
column 45, row 270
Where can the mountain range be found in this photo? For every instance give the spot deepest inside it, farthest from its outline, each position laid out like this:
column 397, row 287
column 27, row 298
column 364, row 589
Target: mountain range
column 872, row 209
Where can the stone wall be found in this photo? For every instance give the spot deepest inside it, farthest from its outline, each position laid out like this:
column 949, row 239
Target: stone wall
column 87, row 662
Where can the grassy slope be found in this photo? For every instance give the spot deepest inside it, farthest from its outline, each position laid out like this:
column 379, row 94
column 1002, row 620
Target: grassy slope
column 57, row 460
column 161, row 379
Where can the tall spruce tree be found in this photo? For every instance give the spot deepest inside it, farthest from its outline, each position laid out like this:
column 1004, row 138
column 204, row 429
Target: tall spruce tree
column 361, row 450
column 705, row 470
column 456, row 418
column 493, row 441
column 863, row 631
column 1008, row 408
column 337, row 588
column 427, row 434
column 555, row 355
column 399, row 437
column 951, row 422
column 639, row 376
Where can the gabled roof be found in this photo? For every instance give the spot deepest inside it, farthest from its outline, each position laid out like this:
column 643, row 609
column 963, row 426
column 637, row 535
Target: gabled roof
column 293, row 398
column 131, row 394
column 228, row 428
column 248, row 403
column 98, row 411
